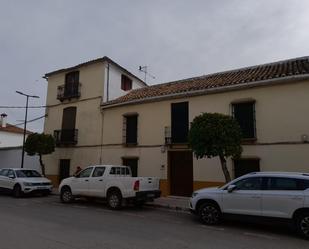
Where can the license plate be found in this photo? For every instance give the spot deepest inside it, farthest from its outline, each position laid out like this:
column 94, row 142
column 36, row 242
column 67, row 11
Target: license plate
column 150, row 195
column 41, row 188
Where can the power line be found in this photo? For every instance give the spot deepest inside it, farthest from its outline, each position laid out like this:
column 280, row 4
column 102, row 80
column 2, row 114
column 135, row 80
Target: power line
column 29, row 121
column 22, row 107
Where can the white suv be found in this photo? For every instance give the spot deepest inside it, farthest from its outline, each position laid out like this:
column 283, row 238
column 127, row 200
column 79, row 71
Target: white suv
column 21, row 181
column 264, row 194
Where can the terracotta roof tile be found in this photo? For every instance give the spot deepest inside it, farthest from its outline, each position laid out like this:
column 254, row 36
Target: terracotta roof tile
column 264, row 72
column 13, row 129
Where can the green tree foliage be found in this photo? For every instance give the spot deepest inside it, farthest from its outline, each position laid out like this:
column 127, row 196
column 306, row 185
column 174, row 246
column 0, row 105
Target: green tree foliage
column 40, row 144
column 215, row 134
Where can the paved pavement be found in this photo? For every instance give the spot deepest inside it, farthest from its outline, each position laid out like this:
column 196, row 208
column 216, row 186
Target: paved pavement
column 44, row 222
column 171, row 202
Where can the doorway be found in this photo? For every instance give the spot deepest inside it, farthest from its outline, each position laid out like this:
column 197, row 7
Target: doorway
column 64, row 169
column 181, row 172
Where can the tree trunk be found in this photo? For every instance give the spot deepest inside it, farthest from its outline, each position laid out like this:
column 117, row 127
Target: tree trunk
column 224, row 169
column 42, row 165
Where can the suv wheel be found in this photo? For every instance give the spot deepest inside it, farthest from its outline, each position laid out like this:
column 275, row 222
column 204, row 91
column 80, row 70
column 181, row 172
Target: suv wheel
column 114, row 200
column 302, row 224
column 209, row 213
column 66, row 195
column 17, row 192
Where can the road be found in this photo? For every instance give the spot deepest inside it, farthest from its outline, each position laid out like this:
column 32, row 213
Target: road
column 45, row 223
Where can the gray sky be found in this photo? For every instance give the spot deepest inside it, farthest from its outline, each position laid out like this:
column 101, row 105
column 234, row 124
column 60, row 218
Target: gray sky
column 176, row 39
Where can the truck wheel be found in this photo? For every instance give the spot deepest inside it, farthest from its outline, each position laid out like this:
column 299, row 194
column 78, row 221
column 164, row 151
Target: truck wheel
column 209, row 213
column 17, row 192
column 114, row 200
column 66, row 195
column 302, row 225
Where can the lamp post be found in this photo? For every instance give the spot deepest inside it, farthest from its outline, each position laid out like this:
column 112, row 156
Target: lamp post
column 25, row 124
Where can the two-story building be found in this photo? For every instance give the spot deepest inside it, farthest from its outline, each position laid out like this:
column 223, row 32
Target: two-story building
column 147, row 128
column 74, row 98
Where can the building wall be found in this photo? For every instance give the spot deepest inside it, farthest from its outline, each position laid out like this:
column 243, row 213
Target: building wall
column 11, row 158
column 93, row 79
column 281, row 120
column 114, row 78
column 9, row 139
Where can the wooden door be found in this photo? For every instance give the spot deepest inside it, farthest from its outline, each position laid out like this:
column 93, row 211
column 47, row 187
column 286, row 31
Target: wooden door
column 64, row 169
column 181, row 173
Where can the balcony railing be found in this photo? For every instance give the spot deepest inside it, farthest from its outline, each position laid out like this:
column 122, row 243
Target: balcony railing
column 65, row 92
column 66, row 137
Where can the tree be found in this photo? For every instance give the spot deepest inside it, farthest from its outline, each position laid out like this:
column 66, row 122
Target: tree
column 215, row 134
column 40, row 144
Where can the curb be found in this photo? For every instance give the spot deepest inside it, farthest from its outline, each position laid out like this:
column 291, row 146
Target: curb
column 175, row 208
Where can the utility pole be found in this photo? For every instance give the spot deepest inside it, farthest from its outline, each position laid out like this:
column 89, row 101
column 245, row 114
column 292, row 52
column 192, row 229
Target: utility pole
column 25, row 124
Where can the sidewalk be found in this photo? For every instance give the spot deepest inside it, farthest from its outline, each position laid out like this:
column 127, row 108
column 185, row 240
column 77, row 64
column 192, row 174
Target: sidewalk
column 171, row 202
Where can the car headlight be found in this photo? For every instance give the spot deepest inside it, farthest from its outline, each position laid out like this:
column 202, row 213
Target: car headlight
column 194, row 194
column 28, row 184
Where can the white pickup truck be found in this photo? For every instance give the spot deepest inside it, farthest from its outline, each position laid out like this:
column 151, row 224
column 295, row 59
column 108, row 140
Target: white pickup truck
column 112, row 182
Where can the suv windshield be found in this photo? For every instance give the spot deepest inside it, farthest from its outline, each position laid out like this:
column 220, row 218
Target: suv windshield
column 27, row 173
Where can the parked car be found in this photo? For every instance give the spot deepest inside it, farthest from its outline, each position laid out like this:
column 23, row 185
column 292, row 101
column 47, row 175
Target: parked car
column 112, row 182
column 263, row 194
column 19, row 181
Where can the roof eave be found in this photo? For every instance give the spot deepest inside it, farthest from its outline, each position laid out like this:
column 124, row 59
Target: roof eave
column 99, row 60
column 235, row 87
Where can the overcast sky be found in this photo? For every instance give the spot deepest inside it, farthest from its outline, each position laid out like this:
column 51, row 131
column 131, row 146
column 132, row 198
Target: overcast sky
column 175, row 39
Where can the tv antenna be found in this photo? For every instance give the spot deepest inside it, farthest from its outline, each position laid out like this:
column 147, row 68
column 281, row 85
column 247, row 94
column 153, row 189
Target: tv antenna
column 143, row 69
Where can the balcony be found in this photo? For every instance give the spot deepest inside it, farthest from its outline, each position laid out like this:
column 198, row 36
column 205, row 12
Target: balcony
column 68, row 91
column 66, row 137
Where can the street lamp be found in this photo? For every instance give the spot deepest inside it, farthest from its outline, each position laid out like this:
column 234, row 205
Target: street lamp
column 25, row 124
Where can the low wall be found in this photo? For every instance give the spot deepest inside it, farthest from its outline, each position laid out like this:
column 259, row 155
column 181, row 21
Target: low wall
column 11, row 158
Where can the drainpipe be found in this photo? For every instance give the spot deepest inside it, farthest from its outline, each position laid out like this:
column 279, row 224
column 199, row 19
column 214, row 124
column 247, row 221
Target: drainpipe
column 107, row 83
column 101, row 147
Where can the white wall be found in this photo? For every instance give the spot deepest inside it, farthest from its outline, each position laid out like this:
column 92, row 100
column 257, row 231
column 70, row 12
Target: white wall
column 11, row 158
column 9, row 139
column 114, row 84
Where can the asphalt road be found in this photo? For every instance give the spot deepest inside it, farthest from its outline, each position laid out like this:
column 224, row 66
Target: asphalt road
column 45, row 223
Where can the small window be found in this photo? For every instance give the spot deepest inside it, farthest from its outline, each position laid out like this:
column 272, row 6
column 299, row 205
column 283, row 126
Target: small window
column 130, row 129
column 282, row 183
column 244, row 113
column 252, row 183
column 85, row 173
column 98, row 172
column 126, row 83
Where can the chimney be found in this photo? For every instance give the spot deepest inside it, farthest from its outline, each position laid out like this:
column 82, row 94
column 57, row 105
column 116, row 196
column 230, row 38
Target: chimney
column 3, row 120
